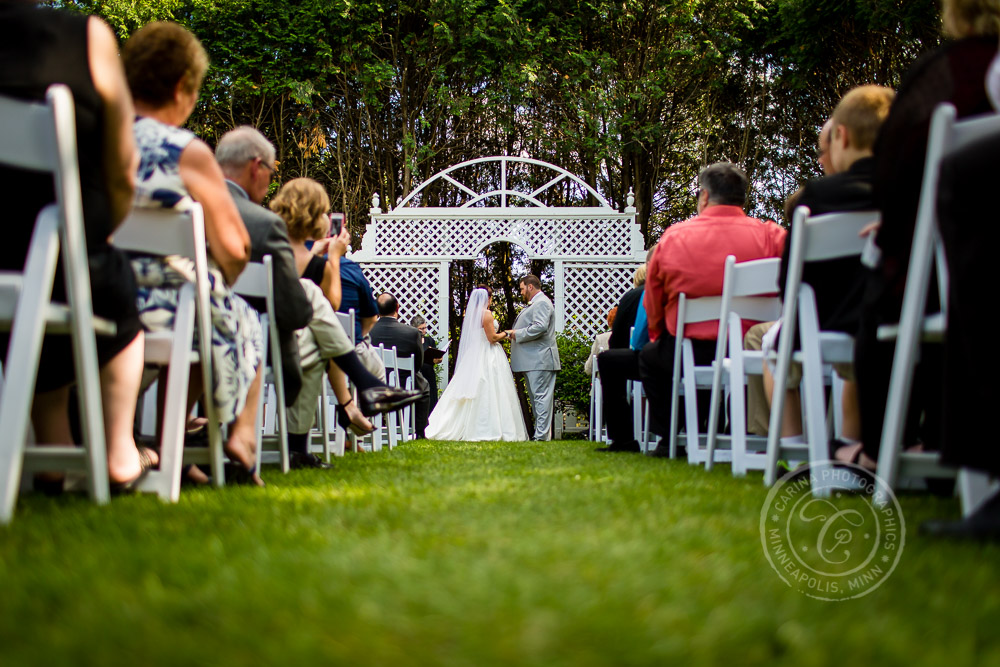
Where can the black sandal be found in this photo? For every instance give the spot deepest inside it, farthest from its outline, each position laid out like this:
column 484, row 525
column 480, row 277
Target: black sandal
column 241, row 476
column 854, row 465
column 344, row 420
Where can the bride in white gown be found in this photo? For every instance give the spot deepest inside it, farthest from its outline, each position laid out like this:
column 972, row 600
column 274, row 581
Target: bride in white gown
column 480, row 402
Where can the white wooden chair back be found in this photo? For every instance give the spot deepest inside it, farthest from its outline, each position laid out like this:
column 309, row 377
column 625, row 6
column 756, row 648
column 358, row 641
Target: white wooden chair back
column 388, row 421
column 407, row 416
column 164, row 232
column 749, row 292
column 42, row 137
column 257, row 281
column 325, row 407
column 947, row 136
column 814, row 238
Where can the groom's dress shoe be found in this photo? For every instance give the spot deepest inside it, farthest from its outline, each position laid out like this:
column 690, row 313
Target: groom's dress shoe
column 631, row 446
column 386, row 399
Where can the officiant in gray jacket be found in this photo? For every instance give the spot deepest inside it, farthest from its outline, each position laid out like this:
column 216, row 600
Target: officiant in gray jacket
column 533, row 351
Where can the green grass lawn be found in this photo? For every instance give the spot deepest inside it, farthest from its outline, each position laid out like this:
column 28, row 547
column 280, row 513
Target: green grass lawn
column 468, row 554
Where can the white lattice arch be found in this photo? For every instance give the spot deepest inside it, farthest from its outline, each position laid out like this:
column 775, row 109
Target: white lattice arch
column 594, row 249
column 504, row 192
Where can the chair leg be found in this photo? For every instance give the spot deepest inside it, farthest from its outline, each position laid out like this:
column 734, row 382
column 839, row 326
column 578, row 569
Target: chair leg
column 22, row 360
column 974, row 488
column 695, row 453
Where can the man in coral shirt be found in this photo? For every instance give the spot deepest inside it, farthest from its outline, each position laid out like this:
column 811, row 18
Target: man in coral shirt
column 690, row 258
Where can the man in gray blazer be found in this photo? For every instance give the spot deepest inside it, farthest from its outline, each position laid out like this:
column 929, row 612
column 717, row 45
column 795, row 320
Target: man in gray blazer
column 533, row 352
column 246, row 158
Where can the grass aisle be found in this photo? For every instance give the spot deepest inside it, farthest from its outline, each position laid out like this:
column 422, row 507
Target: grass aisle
column 468, row 554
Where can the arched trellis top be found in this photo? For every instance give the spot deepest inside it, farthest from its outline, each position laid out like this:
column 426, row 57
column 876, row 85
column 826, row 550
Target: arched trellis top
column 594, row 249
column 504, row 192
column 545, row 232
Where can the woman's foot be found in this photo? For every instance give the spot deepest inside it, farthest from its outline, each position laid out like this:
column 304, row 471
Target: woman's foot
column 131, row 464
column 241, row 451
column 148, row 459
column 195, row 476
column 349, row 416
column 853, row 453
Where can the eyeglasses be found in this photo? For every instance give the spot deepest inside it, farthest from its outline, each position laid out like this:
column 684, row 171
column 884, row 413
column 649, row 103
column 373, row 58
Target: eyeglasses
column 272, row 171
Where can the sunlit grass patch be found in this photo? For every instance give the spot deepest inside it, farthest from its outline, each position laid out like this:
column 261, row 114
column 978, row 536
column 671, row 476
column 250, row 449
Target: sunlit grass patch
column 467, row 554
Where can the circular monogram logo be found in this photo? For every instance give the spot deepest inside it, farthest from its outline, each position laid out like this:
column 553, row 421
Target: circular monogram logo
column 834, row 548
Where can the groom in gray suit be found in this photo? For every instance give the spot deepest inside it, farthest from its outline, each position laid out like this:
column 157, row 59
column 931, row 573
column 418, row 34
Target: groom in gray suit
column 533, row 352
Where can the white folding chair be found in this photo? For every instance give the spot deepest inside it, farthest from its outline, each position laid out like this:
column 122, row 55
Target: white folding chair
column 326, row 411
column 172, row 232
column 42, row 137
column 390, row 420
column 947, row 136
column 816, row 238
column 688, row 378
column 746, row 294
column 408, row 415
column 257, row 281
column 596, row 418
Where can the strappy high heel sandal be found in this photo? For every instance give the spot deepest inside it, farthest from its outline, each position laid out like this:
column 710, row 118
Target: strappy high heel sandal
column 344, row 420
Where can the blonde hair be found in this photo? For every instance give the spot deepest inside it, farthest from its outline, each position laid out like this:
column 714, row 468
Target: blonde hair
column 639, row 277
column 303, row 204
column 968, row 18
column 862, row 111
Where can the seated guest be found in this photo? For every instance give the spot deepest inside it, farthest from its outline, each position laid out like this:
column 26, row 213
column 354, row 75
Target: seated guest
column 759, row 401
column 619, row 364
column 247, row 160
column 427, row 370
column 390, row 332
column 954, row 73
column 165, row 65
column 839, row 283
column 690, row 258
column 39, row 47
column 600, row 343
column 968, row 392
column 304, row 206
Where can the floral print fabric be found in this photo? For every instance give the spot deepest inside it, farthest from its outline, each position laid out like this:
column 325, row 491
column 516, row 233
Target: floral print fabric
column 237, row 338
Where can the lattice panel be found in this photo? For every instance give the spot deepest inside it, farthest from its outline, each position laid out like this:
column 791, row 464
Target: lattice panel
column 591, row 290
column 415, row 286
column 458, row 238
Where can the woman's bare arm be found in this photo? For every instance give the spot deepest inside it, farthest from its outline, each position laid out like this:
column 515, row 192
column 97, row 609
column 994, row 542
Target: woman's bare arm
column 491, row 332
column 121, row 160
column 335, row 248
column 228, row 240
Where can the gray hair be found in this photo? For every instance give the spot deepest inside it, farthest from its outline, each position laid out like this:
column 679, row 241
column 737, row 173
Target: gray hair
column 239, row 146
column 417, row 320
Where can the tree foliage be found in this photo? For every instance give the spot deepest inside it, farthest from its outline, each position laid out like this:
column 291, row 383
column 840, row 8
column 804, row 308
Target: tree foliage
column 377, row 95
column 374, row 96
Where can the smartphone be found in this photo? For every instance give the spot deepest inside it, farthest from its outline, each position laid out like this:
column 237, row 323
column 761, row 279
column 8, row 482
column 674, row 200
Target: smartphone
column 336, row 223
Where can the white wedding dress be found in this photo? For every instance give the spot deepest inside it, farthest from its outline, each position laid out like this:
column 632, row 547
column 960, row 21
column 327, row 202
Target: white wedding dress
column 480, row 402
